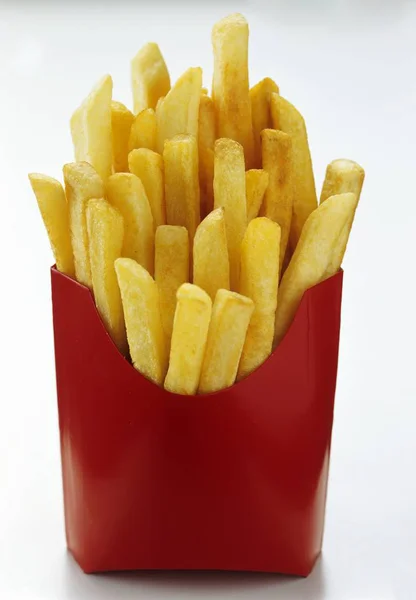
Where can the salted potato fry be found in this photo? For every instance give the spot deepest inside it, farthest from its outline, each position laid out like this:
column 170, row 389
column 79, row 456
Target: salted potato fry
column 259, row 280
column 342, row 175
column 257, row 181
column 278, row 200
column 230, row 193
column 143, row 130
column 180, row 157
column 227, row 331
column 53, row 207
column 82, row 183
column 149, row 77
column 286, row 118
column 230, row 87
column 260, row 112
column 211, row 265
column 206, row 123
column 91, row 129
column 105, row 236
column 206, row 141
column 171, row 269
column 125, row 192
column 148, row 166
column 121, row 122
column 317, row 256
column 179, row 111
column 189, row 337
column 146, row 339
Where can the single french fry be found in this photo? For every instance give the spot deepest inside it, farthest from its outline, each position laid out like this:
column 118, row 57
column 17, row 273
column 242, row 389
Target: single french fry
column 317, row 256
column 82, row 183
column 149, row 77
column 180, row 157
column 146, row 339
column 227, row 331
column 230, row 87
column 206, row 123
column 189, row 337
column 179, row 111
column 143, row 130
column 171, row 269
column 230, row 193
column 259, row 281
column 206, row 141
column 278, row 200
column 105, row 236
column 342, row 175
column 91, row 129
column 53, row 208
column 148, row 166
column 257, row 181
column 287, row 118
column 260, row 112
column 126, row 192
column 211, row 265
column 121, row 122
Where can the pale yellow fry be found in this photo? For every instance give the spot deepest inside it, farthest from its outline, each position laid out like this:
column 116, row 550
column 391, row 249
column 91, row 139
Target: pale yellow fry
column 171, row 269
column 230, row 193
column 125, row 191
column 286, row 118
column 143, row 130
column 105, row 235
column 230, row 87
column 230, row 319
column 342, row 175
column 53, row 207
column 259, row 281
column 82, row 183
column 91, row 129
column 179, row 111
column 314, row 257
column 140, row 297
column 206, row 141
column 148, row 166
column 206, row 123
column 278, row 200
column 121, row 122
column 257, row 181
column 211, row 265
column 149, row 77
column 260, row 112
column 189, row 337
column 180, row 157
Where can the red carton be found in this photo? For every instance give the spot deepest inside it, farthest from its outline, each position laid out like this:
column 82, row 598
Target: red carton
column 234, row 480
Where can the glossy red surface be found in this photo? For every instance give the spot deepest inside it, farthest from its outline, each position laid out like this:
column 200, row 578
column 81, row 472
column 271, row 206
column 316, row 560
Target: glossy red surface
column 234, row 481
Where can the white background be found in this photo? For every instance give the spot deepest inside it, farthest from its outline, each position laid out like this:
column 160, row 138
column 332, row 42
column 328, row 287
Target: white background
column 350, row 67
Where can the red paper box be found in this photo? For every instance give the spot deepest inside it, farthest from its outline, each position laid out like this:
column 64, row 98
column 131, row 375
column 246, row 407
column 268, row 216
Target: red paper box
column 235, row 480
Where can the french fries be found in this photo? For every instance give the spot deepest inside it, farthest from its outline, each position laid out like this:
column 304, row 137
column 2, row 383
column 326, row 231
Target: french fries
column 171, row 269
column 143, row 130
column 317, row 256
column 105, row 235
column 211, row 265
column 91, row 129
column 259, row 280
column 148, row 166
column 146, row 339
column 260, row 113
column 121, row 122
column 206, row 141
column 342, row 176
column 230, row 318
column 189, row 337
column 82, row 183
column 230, row 193
column 289, row 120
column 125, row 192
column 149, row 77
column 257, row 181
column 53, row 208
column 230, row 86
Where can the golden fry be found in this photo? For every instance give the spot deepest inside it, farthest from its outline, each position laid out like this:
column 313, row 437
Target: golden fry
column 140, row 297
column 206, row 123
column 121, row 122
column 143, row 130
column 149, row 77
column 53, row 207
column 148, row 166
column 206, row 141
column 342, row 176
column 257, row 181
column 230, row 319
column 260, row 112
column 125, row 191
column 189, row 337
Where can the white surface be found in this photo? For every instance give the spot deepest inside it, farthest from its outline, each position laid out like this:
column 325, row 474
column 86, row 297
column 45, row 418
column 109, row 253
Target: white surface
column 351, row 69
